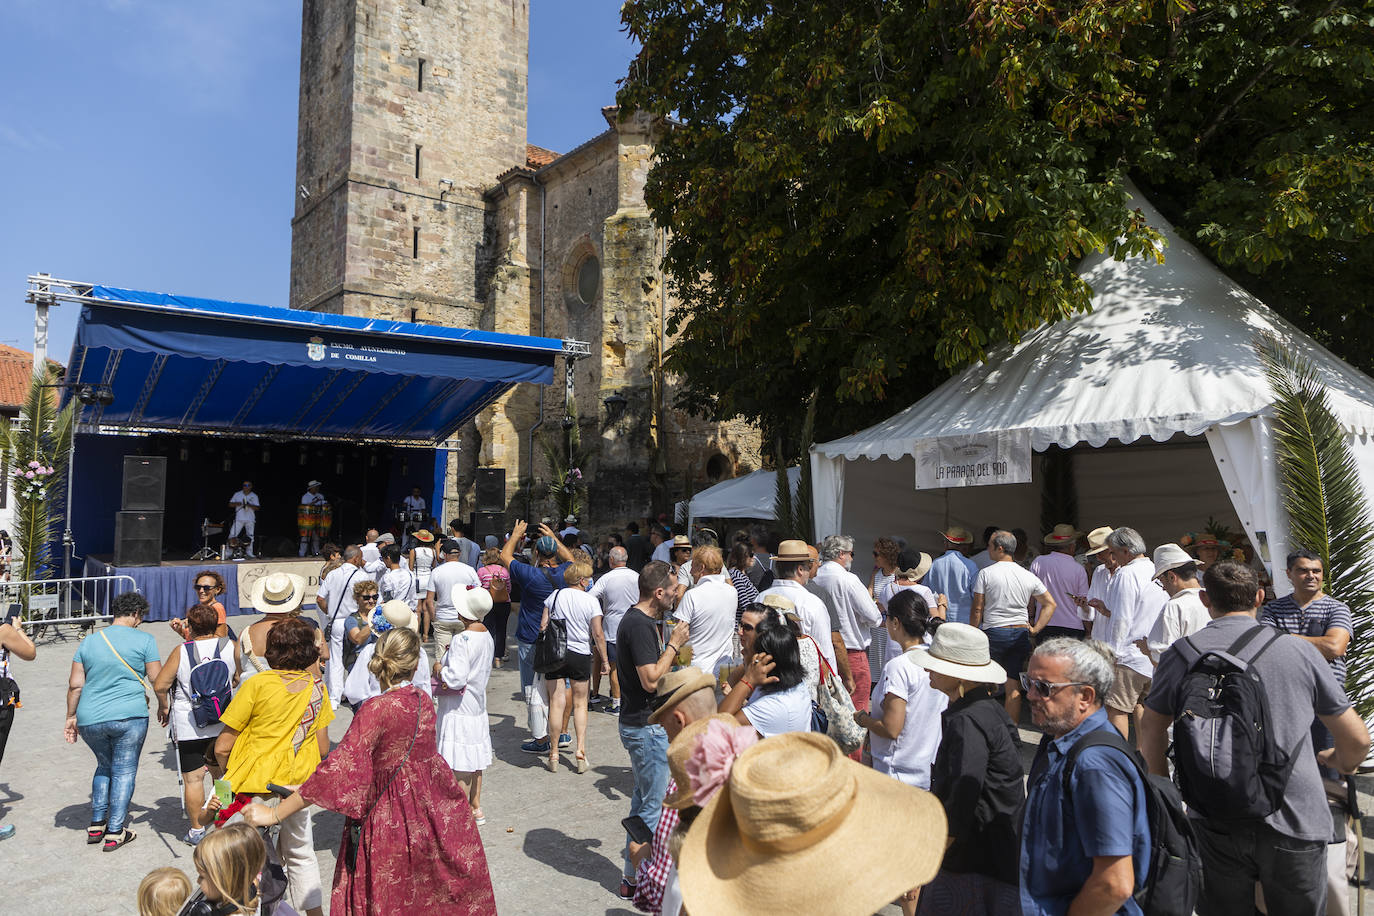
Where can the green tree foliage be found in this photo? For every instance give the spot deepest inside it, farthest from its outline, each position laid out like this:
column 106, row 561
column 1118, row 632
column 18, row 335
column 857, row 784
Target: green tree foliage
column 865, row 196
column 35, row 453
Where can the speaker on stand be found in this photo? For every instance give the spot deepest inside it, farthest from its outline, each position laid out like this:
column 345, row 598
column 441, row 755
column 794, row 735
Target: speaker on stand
column 491, row 490
column 138, row 526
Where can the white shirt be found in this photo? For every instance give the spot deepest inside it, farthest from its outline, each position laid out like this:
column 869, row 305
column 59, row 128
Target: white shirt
column 241, row 501
column 982, row 559
column 1007, row 589
column 577, row 608
column 362, row 684
column 337, row 604
column 893, row 587
column 908, row 758
column 398, row 585
column 781, row 711
column 414, row 502
column 617, row 590
column 663, row 553
column 1183, row 615
column 443, row 580
column 372, row 560
column 312, row 499
column 1135, row 602
column 815, row 619
column 1097, row 588
column 853, row 605
column 183, row 723
column 708, row 609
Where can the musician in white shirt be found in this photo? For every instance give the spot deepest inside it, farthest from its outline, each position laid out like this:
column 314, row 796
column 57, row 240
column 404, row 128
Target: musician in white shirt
column 414, row 502
column 312, row 497
column 245, row 505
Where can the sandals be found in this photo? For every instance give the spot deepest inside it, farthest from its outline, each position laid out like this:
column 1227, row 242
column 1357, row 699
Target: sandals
column 581, row 763
column 113, row 842
column 479, row 817
column 552, row 763
column 95, row 833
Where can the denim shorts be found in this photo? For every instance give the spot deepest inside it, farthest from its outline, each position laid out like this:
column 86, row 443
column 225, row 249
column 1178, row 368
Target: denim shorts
column 1010, row 647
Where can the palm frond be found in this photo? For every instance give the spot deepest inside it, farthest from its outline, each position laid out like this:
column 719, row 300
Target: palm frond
column 803, row 513
column 35, row 455
column 782, row 496
column 1327, row 511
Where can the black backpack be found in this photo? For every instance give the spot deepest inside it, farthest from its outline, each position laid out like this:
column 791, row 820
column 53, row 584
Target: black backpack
column 1226, row 761
column 1173, row 882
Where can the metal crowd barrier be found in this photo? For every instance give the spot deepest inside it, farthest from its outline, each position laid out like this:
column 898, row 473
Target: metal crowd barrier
column 43, row 603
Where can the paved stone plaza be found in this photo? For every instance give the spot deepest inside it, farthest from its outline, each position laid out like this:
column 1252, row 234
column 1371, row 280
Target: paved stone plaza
column 552, row 840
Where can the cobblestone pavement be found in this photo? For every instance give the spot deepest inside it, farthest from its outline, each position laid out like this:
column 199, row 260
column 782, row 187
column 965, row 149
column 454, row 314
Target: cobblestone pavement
column 552, row 840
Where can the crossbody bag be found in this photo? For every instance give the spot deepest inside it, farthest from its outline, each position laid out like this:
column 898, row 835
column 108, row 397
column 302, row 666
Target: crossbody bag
column 141, row 681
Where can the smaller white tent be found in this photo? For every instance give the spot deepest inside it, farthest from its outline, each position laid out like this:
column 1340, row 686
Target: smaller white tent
column 1166, row 356
column 748, row 496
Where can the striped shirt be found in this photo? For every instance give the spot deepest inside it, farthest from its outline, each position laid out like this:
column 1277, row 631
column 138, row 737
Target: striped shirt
column 1322, row 614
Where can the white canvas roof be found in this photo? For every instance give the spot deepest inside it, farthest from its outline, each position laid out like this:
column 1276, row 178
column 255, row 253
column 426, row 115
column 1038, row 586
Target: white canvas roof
column 1166, row 349
column 747, row 496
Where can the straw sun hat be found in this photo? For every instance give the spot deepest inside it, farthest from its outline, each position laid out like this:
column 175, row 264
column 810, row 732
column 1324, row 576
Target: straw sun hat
column 1097, row 539
column 961, row 651
column 793, row 832
column 278, row 593
column 793, row 552
column 680, row 749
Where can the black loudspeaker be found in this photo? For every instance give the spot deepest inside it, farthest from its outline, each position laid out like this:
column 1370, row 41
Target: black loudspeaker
column 138, row 538
column 491, row 490
column 485, row 523
column 145, row 483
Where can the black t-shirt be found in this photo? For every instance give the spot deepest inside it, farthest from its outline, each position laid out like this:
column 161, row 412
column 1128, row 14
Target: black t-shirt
column 636, row 643
column 638, row 548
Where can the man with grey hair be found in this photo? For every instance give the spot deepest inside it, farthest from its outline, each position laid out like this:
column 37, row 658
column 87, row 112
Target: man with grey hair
column 1001, row 595
column 617, row 589
column 854, row 609
column 1085, row 841
column 1126, row 615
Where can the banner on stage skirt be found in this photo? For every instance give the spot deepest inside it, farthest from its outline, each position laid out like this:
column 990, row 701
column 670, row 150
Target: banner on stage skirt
column 251, row 571
column 980, row 460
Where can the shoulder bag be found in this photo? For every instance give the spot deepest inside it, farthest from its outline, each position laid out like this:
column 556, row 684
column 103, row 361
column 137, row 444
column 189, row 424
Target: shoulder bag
column 551, row 645
column 353, row 830
column 141, row 681
column 834, row 701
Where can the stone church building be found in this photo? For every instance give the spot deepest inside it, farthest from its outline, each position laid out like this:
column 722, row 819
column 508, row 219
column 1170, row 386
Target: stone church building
column 420, row 199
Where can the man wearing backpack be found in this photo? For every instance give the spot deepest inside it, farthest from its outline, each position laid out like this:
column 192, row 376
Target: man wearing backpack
column 1241, row 697
column 1085, row 837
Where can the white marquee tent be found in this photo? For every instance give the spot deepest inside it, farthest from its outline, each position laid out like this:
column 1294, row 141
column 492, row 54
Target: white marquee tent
column 748, row 496
column 1158, row 390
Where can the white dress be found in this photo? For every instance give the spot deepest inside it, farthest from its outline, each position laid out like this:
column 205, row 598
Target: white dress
column 464, row 732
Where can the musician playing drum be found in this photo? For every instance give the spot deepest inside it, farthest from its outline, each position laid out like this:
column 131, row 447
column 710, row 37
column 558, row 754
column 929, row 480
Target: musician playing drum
column 310, row 518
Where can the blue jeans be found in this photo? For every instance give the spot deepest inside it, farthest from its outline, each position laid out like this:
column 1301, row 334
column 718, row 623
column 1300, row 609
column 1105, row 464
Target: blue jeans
column 525, row 651
column 648, row 748
column 116, row 745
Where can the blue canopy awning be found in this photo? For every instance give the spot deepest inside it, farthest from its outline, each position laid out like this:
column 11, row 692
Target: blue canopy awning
column 181, row 364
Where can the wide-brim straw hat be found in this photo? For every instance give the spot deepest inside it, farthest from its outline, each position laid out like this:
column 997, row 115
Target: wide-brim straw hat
column 278, row 593
column 1170, row 556
column 680, row 749
column 675, row 687
column 397, row 613
column 1061, row 535
column 913, row 564
column 793, row 552
column 313, row 483
column 424, row 536
column 471, row 602
column 1097, row 539
column 800, row 828
column 957, row 535
column 681, row 541
column 961, row 652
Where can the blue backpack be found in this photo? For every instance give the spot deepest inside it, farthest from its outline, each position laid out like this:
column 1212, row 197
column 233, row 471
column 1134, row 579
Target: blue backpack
column 211, row 685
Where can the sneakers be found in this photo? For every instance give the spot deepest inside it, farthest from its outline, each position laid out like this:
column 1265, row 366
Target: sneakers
column 564, row 741
column 627, row 889
column 611, row 709
column 6, row 831
column 536, row 746
column 193, row 837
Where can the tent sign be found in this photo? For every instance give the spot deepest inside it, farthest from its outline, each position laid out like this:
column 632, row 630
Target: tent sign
column 980, row 460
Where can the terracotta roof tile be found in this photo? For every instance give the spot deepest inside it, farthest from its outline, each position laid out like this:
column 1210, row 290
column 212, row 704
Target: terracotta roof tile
column 537, row 157
column 16, row 371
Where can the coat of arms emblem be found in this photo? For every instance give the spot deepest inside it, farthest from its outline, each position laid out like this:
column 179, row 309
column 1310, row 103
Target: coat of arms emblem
column 315, row 348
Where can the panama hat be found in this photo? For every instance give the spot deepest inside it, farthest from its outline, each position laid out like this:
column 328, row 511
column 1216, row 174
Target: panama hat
column 785, row 606
column 961, row 651
column 1097, row 539
column 313, row 483
column 1170, row 556
column 676, row 687
column 794, row 827
column 424, row 536
column 1061, row 535
column 387, row 538
column 471, row 601
column 957, row 535
column 913, row 564
column 793, row 552
column 397, row 613
column 681, row 541
column 278, row 593
column 680, row 749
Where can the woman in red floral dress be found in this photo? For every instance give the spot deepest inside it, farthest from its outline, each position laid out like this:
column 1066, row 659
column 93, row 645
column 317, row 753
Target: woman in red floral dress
column 410, row 833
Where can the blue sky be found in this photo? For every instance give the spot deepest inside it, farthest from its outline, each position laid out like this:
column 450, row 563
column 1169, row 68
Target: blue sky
column 152, row 143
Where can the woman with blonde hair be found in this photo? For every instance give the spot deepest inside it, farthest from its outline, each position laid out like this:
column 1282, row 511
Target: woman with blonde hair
column 228, row 864
column 410, row 845
column 582, row 614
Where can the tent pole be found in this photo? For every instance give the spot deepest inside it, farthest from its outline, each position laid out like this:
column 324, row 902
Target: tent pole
column 67, row 539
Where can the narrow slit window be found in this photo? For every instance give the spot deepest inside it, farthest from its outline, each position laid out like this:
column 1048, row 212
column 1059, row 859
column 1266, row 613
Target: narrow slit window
column 417, row 161
column 415, row 243
column 420, row 76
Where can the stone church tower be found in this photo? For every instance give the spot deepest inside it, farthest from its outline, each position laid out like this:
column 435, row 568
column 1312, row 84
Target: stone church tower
column 418, row 198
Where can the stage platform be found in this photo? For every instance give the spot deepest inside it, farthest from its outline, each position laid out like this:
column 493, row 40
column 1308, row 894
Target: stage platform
column 170, row 586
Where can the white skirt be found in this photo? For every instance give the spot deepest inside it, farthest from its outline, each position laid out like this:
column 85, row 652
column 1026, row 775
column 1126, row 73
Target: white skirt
column 464, row 739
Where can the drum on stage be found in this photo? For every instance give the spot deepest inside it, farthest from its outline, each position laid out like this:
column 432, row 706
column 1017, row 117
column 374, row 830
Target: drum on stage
column 415, row 516
column 307, row 519
column 326, row 518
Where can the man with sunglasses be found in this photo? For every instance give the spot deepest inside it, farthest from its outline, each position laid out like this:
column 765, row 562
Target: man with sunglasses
column 1084, row 846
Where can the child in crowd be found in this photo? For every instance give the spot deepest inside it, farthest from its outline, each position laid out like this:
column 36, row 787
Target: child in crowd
column 228, row 863
column 162, row 892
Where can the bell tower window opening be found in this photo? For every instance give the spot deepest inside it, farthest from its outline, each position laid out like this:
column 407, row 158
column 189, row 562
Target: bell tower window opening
column 420, row 76
column 588, row 280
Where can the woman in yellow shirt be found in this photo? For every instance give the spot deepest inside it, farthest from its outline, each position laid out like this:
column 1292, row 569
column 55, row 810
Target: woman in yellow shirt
column 276, row 730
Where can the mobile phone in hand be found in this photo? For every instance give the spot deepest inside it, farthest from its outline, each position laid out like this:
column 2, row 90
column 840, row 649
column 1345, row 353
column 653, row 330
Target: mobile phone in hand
column 637, row 829
column 281, row 791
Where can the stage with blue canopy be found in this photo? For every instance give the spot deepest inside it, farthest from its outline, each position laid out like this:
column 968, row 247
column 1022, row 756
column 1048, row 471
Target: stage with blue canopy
column 181, row 364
